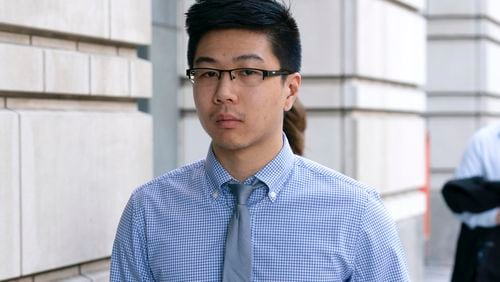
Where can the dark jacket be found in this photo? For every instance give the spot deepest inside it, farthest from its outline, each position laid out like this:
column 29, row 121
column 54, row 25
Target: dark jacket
column 478, row 250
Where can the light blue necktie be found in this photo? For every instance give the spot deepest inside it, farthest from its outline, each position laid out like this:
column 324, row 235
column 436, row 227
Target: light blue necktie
column 238, row 255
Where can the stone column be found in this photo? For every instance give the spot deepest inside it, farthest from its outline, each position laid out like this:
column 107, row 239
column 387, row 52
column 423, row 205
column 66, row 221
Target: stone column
column 463, row 95
column 72, row 143
column 163, row 105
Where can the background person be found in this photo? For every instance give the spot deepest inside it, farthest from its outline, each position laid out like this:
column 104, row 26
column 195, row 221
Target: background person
column 477, row 249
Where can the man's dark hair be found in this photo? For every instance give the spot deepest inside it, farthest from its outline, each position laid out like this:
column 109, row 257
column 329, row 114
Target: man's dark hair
column 268, row 16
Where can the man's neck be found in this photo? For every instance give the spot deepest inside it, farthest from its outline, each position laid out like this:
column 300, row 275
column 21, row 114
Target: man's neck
column 244, row 163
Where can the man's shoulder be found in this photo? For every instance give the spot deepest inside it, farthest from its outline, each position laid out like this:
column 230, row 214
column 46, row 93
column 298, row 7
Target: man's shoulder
column 179, row 177
column 317, row 175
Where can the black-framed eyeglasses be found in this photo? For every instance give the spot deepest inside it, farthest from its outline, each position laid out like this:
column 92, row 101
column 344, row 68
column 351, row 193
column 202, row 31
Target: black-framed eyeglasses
column 209, row 77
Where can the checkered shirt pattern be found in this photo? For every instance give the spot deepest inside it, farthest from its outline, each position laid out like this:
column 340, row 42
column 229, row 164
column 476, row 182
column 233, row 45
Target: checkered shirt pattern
column 309, row 223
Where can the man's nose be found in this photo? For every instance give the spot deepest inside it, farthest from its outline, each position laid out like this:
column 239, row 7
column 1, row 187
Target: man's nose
column 225, row 90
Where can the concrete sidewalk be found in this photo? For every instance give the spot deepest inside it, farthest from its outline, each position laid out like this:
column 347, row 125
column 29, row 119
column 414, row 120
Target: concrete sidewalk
column 437, row 273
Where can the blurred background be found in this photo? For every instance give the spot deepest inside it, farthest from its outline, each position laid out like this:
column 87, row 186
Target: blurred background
column 94, row 102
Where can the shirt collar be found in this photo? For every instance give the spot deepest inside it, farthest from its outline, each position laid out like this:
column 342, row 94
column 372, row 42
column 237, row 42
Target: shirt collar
column 274, row 174
column 217, row 174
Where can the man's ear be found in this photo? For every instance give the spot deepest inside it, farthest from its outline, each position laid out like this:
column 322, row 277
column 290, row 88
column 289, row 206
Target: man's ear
column 292, row 85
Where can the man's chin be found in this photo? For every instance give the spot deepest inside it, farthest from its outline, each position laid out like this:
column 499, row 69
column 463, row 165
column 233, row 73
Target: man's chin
column 228, row 145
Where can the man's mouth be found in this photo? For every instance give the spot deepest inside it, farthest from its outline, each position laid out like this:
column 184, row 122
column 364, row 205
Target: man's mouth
column 227, row 121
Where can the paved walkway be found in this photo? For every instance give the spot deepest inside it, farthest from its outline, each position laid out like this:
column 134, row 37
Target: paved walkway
column 437, row 274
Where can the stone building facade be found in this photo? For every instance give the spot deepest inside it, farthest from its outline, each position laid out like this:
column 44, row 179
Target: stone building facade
column 73, row 142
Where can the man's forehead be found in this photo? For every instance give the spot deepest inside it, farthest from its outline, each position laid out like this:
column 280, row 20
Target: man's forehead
column 234, row 46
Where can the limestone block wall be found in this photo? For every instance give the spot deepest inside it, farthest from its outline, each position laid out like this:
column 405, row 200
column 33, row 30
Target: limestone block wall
column 363, row 74
column 463, row 95
column 73, row 144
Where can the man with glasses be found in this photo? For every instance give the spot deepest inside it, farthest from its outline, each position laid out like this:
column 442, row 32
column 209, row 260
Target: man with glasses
column 252, row 210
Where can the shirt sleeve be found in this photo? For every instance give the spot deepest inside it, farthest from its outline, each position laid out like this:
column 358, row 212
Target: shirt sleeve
column 379, row 253
column 129, row 261
column 471, row 163
column 483, row 219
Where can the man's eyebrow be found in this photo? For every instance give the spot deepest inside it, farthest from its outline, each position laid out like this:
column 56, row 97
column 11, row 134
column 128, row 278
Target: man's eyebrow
column 204, row 60
column 246, row 57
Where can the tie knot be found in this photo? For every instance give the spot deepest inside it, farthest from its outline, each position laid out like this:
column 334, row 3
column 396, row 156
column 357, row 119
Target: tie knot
column 241, row 192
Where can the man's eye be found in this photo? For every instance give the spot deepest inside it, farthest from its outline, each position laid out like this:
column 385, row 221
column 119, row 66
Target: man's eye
column 248, row 72
column 208, row 74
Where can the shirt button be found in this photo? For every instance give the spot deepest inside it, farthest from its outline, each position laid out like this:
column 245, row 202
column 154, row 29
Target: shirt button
column 215, row 194
column 272, row 195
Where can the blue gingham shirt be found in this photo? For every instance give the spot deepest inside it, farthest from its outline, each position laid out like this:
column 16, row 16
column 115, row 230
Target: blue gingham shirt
column 309, row 223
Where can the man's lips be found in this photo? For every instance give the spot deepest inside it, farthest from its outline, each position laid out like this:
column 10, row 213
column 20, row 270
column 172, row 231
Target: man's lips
column 227, row 121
